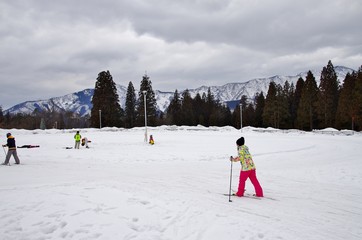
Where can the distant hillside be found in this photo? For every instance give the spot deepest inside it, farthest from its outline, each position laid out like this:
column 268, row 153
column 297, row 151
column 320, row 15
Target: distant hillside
column 230, row 93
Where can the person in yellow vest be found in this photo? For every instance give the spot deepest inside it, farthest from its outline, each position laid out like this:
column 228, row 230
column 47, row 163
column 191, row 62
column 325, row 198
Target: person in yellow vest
column 77, row 138
column 151, row 140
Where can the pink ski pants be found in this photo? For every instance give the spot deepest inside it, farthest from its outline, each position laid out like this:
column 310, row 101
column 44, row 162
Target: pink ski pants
column 251, row 174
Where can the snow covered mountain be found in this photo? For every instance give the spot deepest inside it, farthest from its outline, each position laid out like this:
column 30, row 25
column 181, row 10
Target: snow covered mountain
column 80, row 102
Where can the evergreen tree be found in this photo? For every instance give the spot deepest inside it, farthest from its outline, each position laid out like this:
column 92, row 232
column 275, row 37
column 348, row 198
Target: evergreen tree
column 259, row 108
column 346, row 110
column 130, row 106
column 209, row 108
column 220, row 114
column 295, row 101
column 174, row 110
column 7, row 119
column 284, row 99
column 61, row 122
column 306, row 114
column 217, row 114
column 105, row 98
column 328, row 96
column 244, row 104
column 151, row 105
column 235, row 117
column 270, row 113
column 199, row 109
column 292, row 107
column 187, row 111
column 226, row 116
column 203, row 97
column 357, row 101
column 249, row 115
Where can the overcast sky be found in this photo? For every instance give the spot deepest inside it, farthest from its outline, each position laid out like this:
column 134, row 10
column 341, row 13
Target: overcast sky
column 52, row 48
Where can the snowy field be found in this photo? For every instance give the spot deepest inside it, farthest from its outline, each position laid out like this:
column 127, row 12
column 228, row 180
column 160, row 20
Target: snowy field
column 123, row 188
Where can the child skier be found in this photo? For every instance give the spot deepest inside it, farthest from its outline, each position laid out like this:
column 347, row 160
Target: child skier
column 247, row 169
column 12, row 150
column 151, row 141
column 85, row 142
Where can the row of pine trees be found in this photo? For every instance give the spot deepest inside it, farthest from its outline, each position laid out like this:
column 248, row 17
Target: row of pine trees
column 183, row 109
column 308, row 106
column 305, row 106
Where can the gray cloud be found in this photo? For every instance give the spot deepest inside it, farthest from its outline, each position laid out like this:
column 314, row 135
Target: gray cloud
column 51, row 48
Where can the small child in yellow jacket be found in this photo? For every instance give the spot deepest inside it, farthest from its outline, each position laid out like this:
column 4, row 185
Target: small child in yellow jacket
column 151, row 140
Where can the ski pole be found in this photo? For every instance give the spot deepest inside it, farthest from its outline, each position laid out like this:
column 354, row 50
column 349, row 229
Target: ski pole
column 5, row 154
column 4, row 150
column 231, row 174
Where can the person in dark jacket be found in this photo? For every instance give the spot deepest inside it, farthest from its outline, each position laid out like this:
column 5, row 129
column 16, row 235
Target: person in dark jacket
column 12, row 150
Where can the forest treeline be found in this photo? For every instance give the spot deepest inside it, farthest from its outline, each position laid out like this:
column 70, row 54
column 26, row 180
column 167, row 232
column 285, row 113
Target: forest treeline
column 305, row 106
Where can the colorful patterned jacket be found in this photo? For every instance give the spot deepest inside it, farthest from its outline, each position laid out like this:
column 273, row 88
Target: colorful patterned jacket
column 245, row 158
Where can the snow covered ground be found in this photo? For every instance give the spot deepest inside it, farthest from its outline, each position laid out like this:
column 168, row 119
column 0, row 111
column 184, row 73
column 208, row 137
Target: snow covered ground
column 123, row 188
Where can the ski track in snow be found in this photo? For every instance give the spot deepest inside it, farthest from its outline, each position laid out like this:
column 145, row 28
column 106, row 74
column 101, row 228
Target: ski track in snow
column 121, row 188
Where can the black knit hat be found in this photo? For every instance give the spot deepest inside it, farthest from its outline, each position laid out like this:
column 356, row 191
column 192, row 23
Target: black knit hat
column 8, row 134
column 240, row 141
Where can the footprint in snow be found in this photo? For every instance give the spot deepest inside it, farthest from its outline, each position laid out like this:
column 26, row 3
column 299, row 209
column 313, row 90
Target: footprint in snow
column 145, row 202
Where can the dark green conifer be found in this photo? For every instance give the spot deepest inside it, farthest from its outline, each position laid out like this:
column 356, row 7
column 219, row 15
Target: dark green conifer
column 328, row 96
column 306, row 114
column 270, row 113
column 130, row 106
column 151, row 105
column 106, row 100
column 174, row 110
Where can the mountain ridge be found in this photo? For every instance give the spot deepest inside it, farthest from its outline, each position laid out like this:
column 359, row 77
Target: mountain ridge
column 80, row 102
